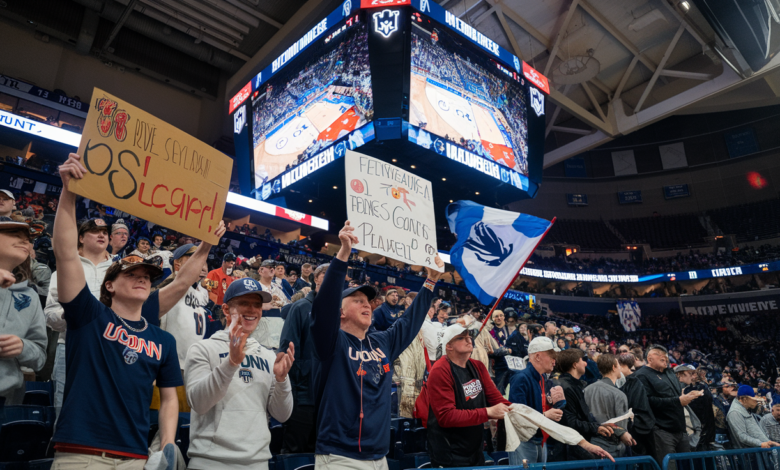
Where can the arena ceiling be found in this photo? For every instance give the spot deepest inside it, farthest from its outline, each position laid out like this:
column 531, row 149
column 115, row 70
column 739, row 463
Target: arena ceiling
column 615, row 65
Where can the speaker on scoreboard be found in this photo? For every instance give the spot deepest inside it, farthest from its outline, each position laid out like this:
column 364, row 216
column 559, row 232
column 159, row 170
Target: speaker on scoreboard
column 387, row 41
column 752, row 27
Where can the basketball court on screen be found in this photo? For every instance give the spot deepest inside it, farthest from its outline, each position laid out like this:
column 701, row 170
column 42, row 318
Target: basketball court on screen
column 327, row 117
column 444, row 113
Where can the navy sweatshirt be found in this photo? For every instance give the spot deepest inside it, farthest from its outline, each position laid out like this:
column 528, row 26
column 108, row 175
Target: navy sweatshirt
column 385, row 315
column 337, row 385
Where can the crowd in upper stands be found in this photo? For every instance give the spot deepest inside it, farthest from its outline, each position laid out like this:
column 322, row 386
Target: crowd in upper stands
column 329, row 352
column 345, row 65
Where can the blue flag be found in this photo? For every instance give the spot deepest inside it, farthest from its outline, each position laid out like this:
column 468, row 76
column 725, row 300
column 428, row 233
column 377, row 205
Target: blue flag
column 492, row 246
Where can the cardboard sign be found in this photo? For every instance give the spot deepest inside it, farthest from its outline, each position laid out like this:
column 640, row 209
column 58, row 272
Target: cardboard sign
column 515, row 363
column 142, row 165
column 391, row 210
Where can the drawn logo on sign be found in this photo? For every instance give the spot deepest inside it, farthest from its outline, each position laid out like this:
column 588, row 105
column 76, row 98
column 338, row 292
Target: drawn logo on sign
column 239, row 119
column 111, row 120
column 386, row 22
column 537, row 101
column 398, row 193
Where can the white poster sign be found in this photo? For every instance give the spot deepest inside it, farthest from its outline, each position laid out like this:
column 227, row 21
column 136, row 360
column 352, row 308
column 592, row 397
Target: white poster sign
column 391, row 210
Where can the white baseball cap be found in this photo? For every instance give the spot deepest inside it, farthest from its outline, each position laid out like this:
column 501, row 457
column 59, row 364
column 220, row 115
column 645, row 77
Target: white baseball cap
column 540, row 344
column 8, row 193
column 449, row 333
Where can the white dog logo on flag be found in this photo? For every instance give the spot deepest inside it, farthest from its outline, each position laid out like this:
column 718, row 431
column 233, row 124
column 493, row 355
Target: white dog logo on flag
column 537, row 101
column 386, row 22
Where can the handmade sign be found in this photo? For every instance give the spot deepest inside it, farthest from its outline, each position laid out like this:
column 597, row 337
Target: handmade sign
column 146, row 167
column 391, row 210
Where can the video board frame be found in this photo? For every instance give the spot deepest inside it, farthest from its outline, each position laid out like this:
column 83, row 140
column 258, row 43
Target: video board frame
column 385, row 20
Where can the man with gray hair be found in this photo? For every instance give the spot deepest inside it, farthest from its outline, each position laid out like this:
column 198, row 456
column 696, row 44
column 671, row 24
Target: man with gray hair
column 770, row 423
column 300, row 428
column 667, row 402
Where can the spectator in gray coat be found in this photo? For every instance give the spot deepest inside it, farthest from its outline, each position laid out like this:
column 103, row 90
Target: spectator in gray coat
column 744, row 430
column 606, row 402
column 770, row 423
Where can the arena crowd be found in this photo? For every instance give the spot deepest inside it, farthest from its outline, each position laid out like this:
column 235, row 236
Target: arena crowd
column 135, row 317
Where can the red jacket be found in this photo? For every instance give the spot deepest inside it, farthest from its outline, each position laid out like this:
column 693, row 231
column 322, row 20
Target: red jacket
column 441, row 396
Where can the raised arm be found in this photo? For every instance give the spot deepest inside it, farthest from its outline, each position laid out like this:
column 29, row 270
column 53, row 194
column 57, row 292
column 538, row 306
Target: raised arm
column 405, row 329
column 326, row 309
column 71, row 279
column 187, row 275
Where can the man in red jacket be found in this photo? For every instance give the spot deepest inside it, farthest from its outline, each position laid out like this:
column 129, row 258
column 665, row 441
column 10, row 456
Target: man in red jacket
column 462, row 399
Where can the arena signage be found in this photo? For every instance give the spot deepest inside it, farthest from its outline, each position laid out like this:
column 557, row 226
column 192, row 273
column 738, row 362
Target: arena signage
column 769, row 304
column 39, row 129
column 747, row 269
column 12, row 85
column 486, row 166
column 300, row 45
column 471, row 33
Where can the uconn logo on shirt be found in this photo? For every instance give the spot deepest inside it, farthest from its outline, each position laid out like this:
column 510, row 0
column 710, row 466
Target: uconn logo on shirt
column 118, row 334
column 367, row 356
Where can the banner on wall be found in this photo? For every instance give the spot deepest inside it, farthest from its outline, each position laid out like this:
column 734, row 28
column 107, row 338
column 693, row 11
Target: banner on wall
column 144, row 166
column 745, row 305
column 391, row 210
column 630, row 314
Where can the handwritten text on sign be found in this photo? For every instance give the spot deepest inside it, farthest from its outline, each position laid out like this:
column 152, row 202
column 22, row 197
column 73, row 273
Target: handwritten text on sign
column 391, row 210
column 144, row 166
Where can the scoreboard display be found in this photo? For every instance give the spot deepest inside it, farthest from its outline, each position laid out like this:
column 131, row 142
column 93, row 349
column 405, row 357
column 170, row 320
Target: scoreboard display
column 400, row 79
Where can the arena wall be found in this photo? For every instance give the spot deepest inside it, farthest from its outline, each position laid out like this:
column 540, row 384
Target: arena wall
column 56, row 65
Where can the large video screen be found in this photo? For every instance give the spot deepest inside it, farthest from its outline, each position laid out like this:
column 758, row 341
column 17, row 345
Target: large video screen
column 324, row 94
column 466, row 98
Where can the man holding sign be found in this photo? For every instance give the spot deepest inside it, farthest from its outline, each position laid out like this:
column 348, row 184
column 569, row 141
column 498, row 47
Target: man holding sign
column 352, row 367
column 115, row 351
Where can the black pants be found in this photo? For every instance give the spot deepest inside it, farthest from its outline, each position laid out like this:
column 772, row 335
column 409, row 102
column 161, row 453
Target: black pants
column 461, row 461
column 300, row 431
column 670, row 443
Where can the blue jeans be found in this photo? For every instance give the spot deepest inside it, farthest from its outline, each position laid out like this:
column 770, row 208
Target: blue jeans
column 58, row 376
column 533, row 451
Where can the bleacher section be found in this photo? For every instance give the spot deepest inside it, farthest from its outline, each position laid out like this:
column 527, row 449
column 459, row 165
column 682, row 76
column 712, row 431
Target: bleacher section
column 670, row 231
column 592, row 235
column 756, row 221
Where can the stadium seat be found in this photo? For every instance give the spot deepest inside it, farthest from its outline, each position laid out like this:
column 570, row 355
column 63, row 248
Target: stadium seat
column 23, row 441
column 503, row 461
column 183, row 440
column 44, row 464
column 277, row 435
column 309, row 466
column 293, row 461
column 414, row 460
column 37, row 397
column 425, row 465
column 27, row 413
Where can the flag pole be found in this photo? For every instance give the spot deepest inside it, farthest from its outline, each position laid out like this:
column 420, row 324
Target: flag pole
column 498, row 300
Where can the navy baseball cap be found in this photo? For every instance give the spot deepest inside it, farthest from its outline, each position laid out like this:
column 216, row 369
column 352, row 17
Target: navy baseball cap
column 187, row 249
column 245, row 286
column 746, row 391
column 228, row 257
column 368, row 290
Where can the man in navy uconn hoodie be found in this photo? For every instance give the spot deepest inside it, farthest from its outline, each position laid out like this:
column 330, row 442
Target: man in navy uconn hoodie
column 352, row 369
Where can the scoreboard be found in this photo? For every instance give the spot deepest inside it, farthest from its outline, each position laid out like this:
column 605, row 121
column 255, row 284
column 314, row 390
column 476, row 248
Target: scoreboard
column 404, row 81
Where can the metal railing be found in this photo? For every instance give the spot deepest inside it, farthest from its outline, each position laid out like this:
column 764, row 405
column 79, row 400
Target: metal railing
column 754, row 458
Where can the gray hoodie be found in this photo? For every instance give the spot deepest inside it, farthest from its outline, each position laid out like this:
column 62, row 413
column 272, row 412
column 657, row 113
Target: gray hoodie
column 229, row 421
column 21, row 315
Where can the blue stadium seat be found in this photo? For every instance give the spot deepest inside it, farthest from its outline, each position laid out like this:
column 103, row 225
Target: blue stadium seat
column 183, row 440
column 401, row 423
column 22, row 441
column 488, row 459
column 503, row 461
column 37, row 397
column 308, row 466
column 27, row 413
column 414, row 460
column 44, row 464
column 277, row 435
column 293, row 461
